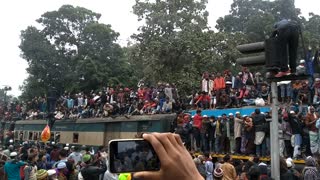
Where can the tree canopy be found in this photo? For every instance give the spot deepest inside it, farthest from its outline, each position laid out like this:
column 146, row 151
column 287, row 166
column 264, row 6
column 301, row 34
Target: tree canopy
column 73, row 51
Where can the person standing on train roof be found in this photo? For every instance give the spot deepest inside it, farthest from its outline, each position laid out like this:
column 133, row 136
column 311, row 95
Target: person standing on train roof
column 197, row 124
column 259, row 123
column 218, row 134
column 310, row 121
column 231, row 130
column 204, row 133
column 237, row 132
column 225, row 126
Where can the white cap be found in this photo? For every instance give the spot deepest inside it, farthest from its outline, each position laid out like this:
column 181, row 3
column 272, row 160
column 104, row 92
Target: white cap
column 61, row 165
column 67, row 144
column 10, row 141
column 205, row 116
column 244, row 115
column 237, row 112
column 51, row 172
column 317, row 79
column 289, row 163
column 230, row 114
column 302, row 61
column 262, row 164
column 192, row 117
column 13, row 154
column 53, row 143
column 66, row 148
column 292, row 112
column 219, row 116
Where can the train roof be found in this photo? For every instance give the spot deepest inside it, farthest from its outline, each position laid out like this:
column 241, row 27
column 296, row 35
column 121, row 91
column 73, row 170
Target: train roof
column 154, row 117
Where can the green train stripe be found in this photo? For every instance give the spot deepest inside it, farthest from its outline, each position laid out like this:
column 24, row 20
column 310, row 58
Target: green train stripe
column 131, row 126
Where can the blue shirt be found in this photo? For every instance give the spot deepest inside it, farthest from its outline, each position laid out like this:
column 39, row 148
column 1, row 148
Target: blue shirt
column 12, row 169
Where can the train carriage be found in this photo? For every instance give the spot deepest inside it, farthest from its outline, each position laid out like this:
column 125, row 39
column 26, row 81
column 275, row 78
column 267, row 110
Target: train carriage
column 93, row 131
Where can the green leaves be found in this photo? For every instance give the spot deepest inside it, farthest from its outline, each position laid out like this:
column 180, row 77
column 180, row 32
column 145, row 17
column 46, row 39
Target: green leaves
column 72, row 52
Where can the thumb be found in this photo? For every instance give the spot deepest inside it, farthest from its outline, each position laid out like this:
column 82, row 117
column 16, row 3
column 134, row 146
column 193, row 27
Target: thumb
column 147, row 175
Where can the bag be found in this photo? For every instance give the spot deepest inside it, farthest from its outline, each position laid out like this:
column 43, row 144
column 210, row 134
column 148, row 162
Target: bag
column 260, row 102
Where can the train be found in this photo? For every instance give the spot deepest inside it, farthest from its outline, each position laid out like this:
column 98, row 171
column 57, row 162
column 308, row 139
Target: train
column 94, row 131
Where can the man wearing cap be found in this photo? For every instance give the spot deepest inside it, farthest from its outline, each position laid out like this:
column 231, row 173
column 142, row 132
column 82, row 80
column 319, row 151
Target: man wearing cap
column 296, row 126
column 231, row 132
column 12, row 167
column 92, row 172
column 259, row 122
column 237, row 132
column 62, row 171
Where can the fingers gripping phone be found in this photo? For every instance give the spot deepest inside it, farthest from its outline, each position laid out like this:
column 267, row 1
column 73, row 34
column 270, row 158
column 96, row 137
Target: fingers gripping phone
column 132, row 155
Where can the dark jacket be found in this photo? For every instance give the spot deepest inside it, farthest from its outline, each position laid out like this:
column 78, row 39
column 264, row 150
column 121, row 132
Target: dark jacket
column 259, row 122
column 93, row 172
column 296, row 124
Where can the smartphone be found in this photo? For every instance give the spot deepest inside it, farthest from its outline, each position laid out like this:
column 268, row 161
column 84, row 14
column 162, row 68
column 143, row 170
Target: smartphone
column 132, row 155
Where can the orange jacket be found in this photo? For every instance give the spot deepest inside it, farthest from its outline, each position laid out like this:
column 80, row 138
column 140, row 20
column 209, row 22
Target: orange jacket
column 219, row 83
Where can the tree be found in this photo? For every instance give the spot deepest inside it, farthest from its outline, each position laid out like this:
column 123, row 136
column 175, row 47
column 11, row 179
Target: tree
column 72, row 52
column 171, row 45
column 256, row 18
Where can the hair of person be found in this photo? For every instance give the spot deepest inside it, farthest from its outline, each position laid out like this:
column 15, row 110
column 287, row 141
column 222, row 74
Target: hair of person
column 198, row 111
column 226, row 158
column 63, row 153
column 257, row 111
column 32, row 156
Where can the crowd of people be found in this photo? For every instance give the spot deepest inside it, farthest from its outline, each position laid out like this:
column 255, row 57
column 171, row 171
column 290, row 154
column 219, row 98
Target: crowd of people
column 218, row 90
column 250, row 134
column 38, row 161
column 103, row 103
column 212, row 168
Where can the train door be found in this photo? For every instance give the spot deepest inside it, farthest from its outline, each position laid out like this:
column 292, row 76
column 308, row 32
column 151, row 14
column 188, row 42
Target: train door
column 112, row 131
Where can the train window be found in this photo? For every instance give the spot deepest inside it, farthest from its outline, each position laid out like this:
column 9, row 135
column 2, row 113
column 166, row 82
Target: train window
column 21, row 135
column 75, row 137
column 30, row 136
column 52, row 136
column 57, row 137
column 16, row 135
column 25, row 135
column 36, row 136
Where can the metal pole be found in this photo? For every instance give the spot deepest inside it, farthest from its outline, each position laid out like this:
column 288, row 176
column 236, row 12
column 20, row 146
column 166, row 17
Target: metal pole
column 274, row 133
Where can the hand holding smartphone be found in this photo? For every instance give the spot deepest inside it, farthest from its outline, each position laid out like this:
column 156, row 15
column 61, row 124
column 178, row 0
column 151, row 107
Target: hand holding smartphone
column 132, row 155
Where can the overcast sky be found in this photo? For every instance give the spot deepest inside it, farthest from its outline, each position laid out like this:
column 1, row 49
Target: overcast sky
column 16, row 15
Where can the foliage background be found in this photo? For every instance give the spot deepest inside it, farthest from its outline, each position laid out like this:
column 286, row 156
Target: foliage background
column 74, row 52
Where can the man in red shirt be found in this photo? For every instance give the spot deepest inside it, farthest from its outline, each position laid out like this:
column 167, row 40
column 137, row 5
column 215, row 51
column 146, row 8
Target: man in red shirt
column 197, row 123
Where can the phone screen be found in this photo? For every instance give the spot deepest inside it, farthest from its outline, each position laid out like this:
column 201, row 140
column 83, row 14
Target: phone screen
column 132, row 156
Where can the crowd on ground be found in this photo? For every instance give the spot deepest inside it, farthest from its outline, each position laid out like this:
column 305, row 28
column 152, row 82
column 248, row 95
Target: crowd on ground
column 226, row 168
column 50, row 161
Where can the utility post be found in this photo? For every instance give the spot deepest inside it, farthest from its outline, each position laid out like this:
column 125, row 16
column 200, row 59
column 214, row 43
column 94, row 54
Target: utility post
column 258, row 54
column 274, row 133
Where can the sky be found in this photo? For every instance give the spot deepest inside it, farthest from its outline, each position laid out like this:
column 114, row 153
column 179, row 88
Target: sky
column 17, row 15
